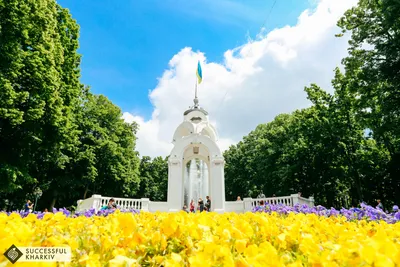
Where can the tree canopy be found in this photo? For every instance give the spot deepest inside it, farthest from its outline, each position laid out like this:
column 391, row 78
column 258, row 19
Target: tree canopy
column 345, row 148
column 54, row 133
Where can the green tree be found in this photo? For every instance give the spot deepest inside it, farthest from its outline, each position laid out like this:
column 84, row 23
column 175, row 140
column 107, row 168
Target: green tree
column 257, row 163
column 324, row 150
column 39, row 87
column 53, row 132
column 320, row 151
column 153, row 178
column 374, row 67
column 106, row 162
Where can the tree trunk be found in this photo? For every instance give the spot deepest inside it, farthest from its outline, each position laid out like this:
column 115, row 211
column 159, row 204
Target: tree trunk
column 86, row 191
column 54, row 199
column 53, row 203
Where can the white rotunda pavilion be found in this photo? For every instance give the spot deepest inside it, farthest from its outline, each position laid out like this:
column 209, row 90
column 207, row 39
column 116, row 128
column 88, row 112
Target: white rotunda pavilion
column 195, row 138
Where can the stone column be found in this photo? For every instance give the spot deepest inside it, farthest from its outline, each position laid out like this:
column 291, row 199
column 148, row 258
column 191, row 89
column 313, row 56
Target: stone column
column 145, row 204
column 189, row 186
column 204, row 171
column 295, row 199
column 194, row 180
column 175, row 185
column 247, row 201
column 311, row 199
column 96, row 202
column 217, row 185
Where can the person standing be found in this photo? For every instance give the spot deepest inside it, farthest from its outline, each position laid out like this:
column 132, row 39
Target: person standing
column 208, row 203
column 28, row 206
column 185, row 209
column 379, row 206
column 201, row 204
column 191, row 206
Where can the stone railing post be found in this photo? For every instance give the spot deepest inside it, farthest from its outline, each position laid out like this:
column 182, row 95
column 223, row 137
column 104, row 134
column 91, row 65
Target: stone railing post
column 247, row 204
column 96, row 204
column 295, row 199
column 145, row 204
column 311, row 199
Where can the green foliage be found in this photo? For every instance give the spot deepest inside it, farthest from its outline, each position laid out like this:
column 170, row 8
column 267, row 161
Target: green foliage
column 39, row 83
column 323, row 150
column 105, row 161
column 54, row 133
column 153, row 178
column 373, row 67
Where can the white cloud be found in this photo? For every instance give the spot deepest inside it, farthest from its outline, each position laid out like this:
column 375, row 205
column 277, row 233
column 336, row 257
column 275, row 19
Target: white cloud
column 256, row 82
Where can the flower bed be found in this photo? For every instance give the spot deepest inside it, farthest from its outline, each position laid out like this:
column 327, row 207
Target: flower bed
column 365, row 212
column 67, row 213
column 207, row 239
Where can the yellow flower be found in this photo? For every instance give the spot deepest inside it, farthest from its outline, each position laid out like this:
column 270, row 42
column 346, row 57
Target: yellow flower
column 118, row 252
column 240, row 245
column 122, row 261
column 127, row 223
column 206, row 239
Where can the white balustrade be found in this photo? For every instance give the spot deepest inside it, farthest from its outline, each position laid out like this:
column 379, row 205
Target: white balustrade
column 85, row 204
column 97, row 201
column 123, row 203
column 287, row 201
column 144, row 204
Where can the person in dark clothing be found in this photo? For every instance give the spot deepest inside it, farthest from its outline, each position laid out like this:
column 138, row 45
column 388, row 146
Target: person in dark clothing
column 185, row 209
column 28, row 206
column 201, row 204
column 208, row 203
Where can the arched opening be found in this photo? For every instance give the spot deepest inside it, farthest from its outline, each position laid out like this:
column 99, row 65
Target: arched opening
column 196, row 175
column 196, row 169
column 196, row 183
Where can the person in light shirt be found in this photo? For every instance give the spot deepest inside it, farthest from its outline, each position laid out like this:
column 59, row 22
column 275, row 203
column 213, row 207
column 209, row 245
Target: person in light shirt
column 379, row 206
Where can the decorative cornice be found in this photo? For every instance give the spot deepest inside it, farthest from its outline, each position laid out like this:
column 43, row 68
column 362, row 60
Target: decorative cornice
column 218, row 161
column 174, row 162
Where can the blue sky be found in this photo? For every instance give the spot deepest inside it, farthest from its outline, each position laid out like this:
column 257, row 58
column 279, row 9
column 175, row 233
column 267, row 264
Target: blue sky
column 126, row 45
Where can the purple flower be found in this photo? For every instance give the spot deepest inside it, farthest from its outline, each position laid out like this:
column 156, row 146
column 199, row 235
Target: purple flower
column 364, row 212
column 88, row 213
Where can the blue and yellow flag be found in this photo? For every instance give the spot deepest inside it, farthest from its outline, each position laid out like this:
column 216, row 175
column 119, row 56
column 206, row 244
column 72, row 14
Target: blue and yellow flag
column 199, row 73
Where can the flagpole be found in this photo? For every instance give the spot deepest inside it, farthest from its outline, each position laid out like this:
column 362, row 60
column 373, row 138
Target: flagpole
column 195, row 95
column 195, row 89
column 198, row 76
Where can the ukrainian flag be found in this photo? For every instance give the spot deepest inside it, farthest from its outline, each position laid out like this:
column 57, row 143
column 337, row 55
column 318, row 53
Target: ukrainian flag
column 199, row 73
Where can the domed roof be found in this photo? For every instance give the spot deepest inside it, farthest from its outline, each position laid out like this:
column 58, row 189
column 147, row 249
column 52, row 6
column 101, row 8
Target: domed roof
column 196, row 107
